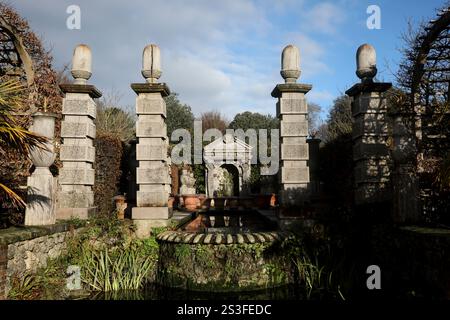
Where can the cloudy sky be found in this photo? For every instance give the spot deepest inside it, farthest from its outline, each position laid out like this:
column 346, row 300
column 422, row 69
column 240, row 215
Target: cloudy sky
column 225, row 55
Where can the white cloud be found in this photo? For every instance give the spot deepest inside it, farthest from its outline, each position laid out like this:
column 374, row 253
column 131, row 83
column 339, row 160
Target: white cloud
column 222, row 55
column 324, row 17
column 321, row 97
column 311, row 55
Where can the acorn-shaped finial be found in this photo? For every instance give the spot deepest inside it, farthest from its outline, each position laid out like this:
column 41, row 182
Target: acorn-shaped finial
column 366, row 62
column 81, row 64
column 151, row 63
column 290, row 64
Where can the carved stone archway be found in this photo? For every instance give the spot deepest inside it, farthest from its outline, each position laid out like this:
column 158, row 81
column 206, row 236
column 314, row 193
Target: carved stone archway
column 228, row 151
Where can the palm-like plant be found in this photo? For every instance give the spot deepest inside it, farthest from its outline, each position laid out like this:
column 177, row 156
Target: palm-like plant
column 14, row 138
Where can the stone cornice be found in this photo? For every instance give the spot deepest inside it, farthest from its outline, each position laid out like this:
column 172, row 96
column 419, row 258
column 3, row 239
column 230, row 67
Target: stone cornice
column 290, row 87
column 81, row 88
column 151, row 88
column 365, row 87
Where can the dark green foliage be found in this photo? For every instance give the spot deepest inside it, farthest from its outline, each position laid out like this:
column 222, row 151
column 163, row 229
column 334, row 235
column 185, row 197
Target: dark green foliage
column 339, row 121
column 199, row 175
column 179, row 115
column 253, row 120
column 108, row 157
column 114, row 121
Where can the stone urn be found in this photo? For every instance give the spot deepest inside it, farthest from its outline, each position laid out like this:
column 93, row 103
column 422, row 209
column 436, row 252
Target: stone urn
column 191, row 202
column 121, row 206
column 41, row 184
column 44, row 125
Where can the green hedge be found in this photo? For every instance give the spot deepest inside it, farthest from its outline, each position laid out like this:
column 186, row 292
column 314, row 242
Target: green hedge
column 108, row 155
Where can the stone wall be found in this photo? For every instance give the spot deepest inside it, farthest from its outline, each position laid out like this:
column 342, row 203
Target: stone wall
column 27, row 249
column 3, row 264
column 223, row 268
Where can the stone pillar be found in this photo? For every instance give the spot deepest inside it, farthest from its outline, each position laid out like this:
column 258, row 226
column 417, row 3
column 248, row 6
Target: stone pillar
column 314, row 165
column 152, row 173
column 404, row 175
column 41, row 185
column 370, row 131
column 292, row 111
column 76, row 178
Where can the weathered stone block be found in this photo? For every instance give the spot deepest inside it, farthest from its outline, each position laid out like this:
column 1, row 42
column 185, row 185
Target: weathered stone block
column 370, row 124
column 293, row 129
column 151, row 106
column 372, row 171
column 363, row 150
column 77, row 153
column 145, row 226
column 152, row 199
column 77, row 130
column 76, row 199
column 151, row 152
column 292, row 106
column 153, row 175
column 294, row 175
column 79, row 107
column 369, row 103
column 76, row 176
column 294, row 152
column 151, row 129
column 150, row 213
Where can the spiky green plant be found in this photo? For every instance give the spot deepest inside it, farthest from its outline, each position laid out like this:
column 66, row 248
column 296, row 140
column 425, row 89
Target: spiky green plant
column 14, row 138
column 123, row 270
column 315, row 278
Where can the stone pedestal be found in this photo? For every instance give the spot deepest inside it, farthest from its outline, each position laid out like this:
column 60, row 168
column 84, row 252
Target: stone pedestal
column 77, row 153
column 152, row 173
column 292, row 111
column 370, row 133
column 41, row 185
column 371, row 155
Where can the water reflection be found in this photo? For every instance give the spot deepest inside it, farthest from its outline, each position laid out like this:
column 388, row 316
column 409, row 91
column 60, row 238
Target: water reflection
column 155, row 292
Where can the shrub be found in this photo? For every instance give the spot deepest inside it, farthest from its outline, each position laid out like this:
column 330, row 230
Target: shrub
column 108, row 157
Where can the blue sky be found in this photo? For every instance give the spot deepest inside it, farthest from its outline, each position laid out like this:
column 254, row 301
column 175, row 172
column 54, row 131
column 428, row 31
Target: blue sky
column 225, row 55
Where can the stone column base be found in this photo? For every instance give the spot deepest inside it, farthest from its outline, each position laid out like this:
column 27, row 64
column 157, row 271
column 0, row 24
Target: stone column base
column 150, row 213
column 144, row 227
column 40, row 208
column 80, row 213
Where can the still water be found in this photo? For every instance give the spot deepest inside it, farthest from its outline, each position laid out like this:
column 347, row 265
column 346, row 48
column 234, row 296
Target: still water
column 154, row 292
